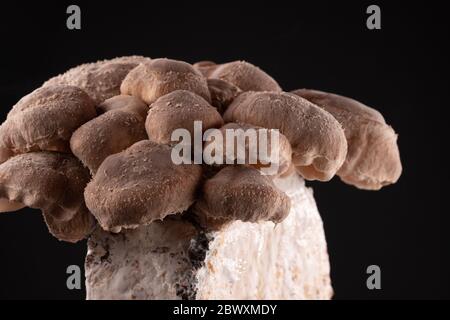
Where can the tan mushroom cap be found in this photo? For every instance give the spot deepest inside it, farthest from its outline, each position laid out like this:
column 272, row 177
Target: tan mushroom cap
column 373, row 158
column 205, row 67
column 317, row 139
column 80, row 226
column 244, row 75
column 243, row 150
column 222, row 93
column 179, row 110
column 45, row 120
column 242, row 193
column 140, row 185
column 151, row 80
column 52, row 182
column 122, row 125
column 124, row 102
column 101, row 80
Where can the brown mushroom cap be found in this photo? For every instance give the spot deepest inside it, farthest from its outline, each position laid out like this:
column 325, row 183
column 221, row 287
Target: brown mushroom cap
column 373, row 158
column 222, row 93
column 45, row 120
column 317, row 139
column 140, row 185
column 102, row 79
column 119, row 127
column 242, row 193
column 205, row 67
column 244, row 75
column 176, row 110
column 124, row 102
column 52, row 182
column 241, row 133
column 73, row 230
column 151, row 80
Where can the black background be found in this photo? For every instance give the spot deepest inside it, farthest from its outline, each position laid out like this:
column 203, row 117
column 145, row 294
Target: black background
column 401, row 70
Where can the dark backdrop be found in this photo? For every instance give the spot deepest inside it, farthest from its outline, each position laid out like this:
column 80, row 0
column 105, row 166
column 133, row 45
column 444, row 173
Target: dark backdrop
column 401, row 70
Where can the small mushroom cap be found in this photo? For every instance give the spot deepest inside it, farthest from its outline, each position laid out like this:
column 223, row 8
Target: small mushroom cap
column 123, row 102
column 222, row 93
column 140, row 185
column 245, row 76
column 242, row 193
column 45, row 120
column 205, row 67
column 122, row 125
column 77, row 228
column 317, row 139
column 177, row 110
column 261, row 149
column 373, row 158
column 102, row 79
column 151, row 80
column 52, row 182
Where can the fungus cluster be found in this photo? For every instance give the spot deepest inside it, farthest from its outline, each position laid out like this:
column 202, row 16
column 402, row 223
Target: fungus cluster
column 93, row 145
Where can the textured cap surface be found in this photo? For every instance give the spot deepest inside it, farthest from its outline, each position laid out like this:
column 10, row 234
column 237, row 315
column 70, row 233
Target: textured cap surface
column 242, row 193
column 373, row 158
column 257, row 153
column 245, row 76
column 317, row 139
column 140, row 185
column 119, row 127
column 45, row 120
column 156, row 78
column 179, row 110
column 54, row 183
column 102, row 79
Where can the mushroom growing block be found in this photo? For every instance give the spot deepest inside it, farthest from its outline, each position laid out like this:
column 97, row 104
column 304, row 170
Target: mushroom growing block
column 176, row 259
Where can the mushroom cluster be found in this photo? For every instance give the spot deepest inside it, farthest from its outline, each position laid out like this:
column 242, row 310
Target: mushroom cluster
column 93, row 146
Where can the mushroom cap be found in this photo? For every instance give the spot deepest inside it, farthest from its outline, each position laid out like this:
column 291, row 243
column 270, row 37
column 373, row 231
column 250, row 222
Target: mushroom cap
column 122, row 125
column 242, row 193
column 264, row 157
column 77, row 228
column 244, row 75
column 158, row 77
column 205, row 67
column 222, row 93
column 52, row 182
column 45, row 120
column 176, row 110
column 140, row 185
column 373, row 158
column 101, row 79
column 317, row 139
column 124, row 102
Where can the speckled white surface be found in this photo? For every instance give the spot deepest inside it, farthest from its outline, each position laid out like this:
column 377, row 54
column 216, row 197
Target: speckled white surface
column 244, row 260
column 144, row 263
